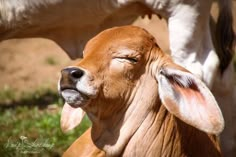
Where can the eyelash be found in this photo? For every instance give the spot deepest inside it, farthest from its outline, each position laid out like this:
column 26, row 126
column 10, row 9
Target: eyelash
column 132, row 60
column 129, row 59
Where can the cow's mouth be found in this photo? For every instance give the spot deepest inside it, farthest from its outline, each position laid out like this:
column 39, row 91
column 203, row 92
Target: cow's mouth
column 74, row 97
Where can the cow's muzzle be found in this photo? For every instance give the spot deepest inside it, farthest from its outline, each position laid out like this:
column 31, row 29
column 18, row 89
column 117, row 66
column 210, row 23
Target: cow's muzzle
column 70, row 76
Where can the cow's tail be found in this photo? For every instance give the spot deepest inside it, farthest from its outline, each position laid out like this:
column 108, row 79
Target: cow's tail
column 225, row 37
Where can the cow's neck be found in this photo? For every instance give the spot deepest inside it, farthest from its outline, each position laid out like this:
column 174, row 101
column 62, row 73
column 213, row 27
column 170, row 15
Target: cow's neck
column 145, row 126
column 162, row 134
column 158, row 134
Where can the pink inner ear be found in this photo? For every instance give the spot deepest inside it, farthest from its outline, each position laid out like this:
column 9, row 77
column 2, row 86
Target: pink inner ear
column 187, row 88
column 186, row 97
column 190, row 94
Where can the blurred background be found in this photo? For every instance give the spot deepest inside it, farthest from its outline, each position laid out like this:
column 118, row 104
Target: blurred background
column 29, row 103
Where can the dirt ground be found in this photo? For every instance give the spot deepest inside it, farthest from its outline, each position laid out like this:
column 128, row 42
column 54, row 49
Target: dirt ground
column 32, row 63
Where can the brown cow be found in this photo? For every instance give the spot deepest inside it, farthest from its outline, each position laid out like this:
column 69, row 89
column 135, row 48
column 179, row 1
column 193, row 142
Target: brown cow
column 71, row 23
column 139, row 101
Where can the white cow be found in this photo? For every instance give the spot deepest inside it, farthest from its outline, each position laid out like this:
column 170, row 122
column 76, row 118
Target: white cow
column 71, row 23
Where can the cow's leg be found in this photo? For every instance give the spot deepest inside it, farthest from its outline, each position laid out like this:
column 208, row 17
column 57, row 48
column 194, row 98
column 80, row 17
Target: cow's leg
column 190, row 40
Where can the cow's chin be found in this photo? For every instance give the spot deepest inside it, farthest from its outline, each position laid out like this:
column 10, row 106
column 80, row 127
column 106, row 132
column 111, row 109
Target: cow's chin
column 75, row 98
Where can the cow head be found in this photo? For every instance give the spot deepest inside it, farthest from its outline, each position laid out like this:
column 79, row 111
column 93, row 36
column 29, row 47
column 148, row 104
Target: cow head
column 124, row 67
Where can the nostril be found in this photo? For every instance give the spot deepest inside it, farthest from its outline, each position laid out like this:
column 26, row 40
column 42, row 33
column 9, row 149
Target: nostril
column 72, row 73
column 77, row 73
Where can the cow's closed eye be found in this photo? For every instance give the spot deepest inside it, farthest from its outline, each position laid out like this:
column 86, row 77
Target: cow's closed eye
column 131, row 60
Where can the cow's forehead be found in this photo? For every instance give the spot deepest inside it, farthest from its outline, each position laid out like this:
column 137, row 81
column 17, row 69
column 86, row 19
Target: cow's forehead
column 120, row 38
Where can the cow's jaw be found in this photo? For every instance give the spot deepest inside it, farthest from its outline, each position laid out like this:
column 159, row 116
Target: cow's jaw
column 74, row 97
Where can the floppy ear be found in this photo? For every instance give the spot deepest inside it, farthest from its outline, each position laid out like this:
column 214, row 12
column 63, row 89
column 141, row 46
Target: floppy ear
column 70, row 117
column 188, row 98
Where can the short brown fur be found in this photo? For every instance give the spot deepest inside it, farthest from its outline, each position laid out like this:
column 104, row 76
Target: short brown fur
column 158, row 132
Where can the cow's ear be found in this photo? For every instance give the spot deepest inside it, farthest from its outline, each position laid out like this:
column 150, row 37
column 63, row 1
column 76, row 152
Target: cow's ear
column 70, row 117
column 188, row 98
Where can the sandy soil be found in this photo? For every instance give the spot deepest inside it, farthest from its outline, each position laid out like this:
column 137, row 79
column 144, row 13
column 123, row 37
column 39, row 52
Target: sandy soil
column 32, row 63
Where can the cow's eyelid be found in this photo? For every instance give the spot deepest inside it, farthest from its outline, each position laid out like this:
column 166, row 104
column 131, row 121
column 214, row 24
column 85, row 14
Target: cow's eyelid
column 132, row 60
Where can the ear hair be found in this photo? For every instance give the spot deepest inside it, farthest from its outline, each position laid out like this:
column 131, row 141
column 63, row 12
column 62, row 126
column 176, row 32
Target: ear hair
column 182, row 80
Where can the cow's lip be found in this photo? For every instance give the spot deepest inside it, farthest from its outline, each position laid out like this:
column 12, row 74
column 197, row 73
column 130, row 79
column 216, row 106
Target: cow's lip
column 62, row 88
column 74, row 97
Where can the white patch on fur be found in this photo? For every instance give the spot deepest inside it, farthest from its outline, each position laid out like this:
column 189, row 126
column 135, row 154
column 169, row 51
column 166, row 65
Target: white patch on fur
column 86, row 86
